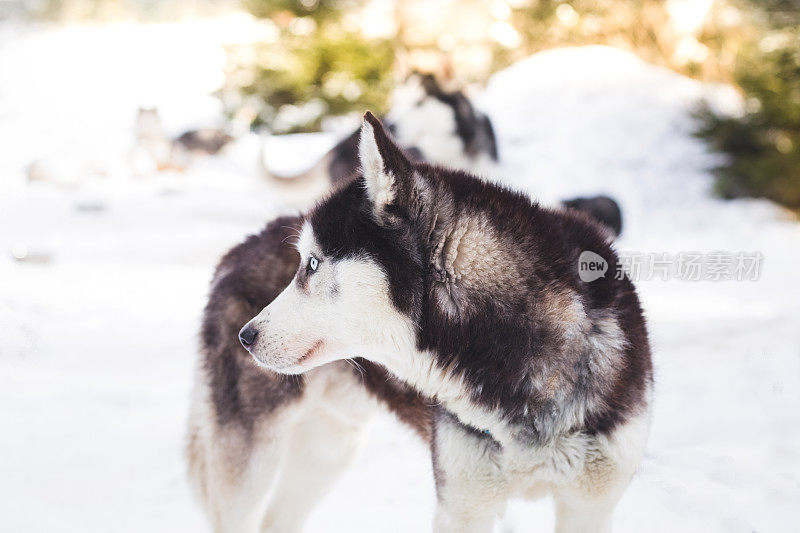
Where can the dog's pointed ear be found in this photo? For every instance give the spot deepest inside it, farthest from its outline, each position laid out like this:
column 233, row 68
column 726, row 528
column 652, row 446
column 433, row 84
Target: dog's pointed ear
column 388, row 174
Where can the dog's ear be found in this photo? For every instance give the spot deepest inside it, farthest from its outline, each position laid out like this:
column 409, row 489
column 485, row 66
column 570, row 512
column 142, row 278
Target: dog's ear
column 388, row 174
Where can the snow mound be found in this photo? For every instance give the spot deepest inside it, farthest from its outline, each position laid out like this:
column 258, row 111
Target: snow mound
column 592, row 120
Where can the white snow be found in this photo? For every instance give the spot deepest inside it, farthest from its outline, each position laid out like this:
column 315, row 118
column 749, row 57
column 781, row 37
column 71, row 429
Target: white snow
column 98, row 328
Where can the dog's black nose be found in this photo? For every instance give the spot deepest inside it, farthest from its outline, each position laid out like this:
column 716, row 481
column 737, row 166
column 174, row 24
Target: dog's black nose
column 247, row 335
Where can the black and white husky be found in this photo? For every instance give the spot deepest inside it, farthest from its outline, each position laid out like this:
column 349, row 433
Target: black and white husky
column 464, row 304
column 430, row 123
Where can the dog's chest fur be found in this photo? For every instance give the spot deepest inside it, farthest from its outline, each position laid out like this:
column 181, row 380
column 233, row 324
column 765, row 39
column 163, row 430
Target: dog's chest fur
column 511, row 456
column 532, row 470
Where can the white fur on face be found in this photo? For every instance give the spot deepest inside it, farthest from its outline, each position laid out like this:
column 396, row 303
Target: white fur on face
column 346, row 307
column 343, row 310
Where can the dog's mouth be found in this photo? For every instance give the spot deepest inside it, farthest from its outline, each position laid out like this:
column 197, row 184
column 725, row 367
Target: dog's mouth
column 311, row 352
column 298, row 366
column 304, row 362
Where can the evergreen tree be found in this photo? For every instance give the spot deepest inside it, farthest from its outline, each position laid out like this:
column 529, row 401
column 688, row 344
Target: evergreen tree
column 763, row 145
column 316, row 65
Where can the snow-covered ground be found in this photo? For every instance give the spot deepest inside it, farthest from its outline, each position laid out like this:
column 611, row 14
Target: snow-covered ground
column 98, row 326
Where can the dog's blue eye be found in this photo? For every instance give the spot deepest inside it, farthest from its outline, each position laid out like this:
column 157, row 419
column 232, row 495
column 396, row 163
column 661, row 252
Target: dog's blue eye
column 313, row 263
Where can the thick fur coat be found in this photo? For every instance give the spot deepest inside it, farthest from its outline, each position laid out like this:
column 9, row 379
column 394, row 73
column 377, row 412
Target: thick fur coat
column 463, row 300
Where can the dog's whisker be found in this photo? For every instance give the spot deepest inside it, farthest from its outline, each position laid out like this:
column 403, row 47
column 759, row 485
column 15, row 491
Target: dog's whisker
column 357, row 367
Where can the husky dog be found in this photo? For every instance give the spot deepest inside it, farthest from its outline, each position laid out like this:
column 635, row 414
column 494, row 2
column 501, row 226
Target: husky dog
column 166, row 153
column 151, row 138
column 207, row 141
column 430, row 123
column 602, row 208
column 464, row 303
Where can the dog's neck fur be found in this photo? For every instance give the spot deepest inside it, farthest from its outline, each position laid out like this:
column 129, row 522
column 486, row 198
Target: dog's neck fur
column 465, row 258
column 491, row 319
column 420, row 370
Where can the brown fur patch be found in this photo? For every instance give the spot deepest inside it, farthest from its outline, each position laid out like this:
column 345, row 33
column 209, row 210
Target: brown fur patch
column 407, row 404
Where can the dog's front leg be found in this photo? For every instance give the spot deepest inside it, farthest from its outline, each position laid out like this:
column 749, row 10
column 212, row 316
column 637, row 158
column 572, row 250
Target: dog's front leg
column 470, row 485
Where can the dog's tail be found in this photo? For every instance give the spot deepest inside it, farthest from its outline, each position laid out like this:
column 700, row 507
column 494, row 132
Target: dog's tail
column 304, row 180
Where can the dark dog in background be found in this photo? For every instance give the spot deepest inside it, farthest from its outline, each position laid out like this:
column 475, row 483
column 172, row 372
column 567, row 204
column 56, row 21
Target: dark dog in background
column 165, row 152
column 602, row 208
column 431, row 124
